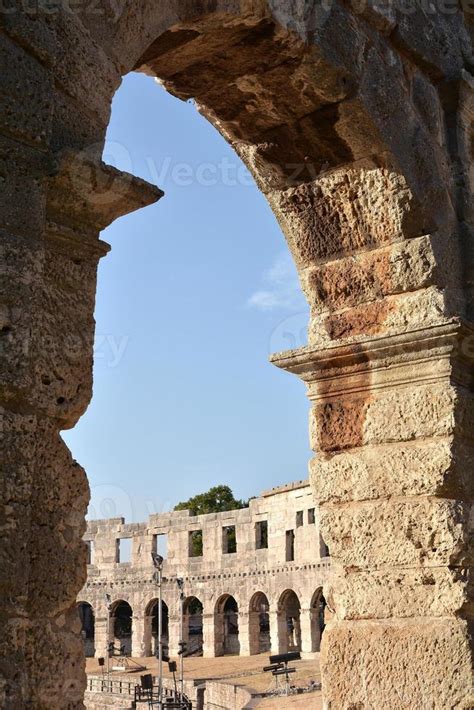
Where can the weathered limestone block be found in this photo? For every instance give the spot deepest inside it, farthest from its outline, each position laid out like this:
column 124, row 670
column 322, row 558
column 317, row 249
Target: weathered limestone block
column 394, row 415
column 21, row 197
column 345, row 212
column 404, row 266
column 23, row 75
column 408, row 663
column 411, row 531
column 400, row 592
column 429, row 467
column 391, row 315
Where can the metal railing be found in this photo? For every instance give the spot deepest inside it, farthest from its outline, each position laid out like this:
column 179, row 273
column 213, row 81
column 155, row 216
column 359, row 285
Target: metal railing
column 114, row 686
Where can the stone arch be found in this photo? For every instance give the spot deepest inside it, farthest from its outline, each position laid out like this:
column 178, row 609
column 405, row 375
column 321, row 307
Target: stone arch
column 121, row 626
column 289, row 622
column 226, row 626
column 259, row 624
column 151, row 628
column 363, row 158
column 87, row 621
column 318, row 619
column 193, row 624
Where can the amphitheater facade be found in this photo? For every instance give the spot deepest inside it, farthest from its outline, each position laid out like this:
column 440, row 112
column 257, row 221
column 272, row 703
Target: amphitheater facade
column 253, row 580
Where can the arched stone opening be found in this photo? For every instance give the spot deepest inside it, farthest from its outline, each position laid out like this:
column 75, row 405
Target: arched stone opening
column 193, row 624
column 226, row 627
column 289, row 622
column 151, row 628
column 87, row 620
column 376, row 137
column 121, row 624
column 259, row 624
column 318, row 619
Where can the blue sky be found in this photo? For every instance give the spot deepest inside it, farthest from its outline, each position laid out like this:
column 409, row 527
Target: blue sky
column 196, row 293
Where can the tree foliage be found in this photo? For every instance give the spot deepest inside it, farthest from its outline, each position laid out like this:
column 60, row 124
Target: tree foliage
column 217, row 500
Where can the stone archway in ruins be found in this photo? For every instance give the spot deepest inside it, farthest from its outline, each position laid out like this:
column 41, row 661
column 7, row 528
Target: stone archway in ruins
column 318, row 618
column 193, row 626
column 226, row 626
column 289, row 622
column 151, row 628
column 87, row 623
column 357, row 124
column 259, row 624
column 121, row 622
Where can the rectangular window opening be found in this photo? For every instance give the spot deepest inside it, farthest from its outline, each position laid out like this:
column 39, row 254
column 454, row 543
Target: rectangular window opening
column 311, row 516
column 290, row 545
column 229, row 540
column 261, row 535
column 123, row 550
column 299, row 519
column 160, row 545
column 90, row 552
column 324, row 549
column 195, row 543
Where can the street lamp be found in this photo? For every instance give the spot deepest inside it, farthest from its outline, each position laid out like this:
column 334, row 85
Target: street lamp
column 158, row 577
column 182, row 644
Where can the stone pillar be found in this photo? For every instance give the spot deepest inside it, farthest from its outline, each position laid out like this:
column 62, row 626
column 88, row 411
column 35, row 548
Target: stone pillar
column 138, row 636
column 174, row 635
column 50, row 251
column 244, row 633
column 282, row 632
column 101, row 637
column 148, row 638
column 219, row 633
column 391, row 426
column 209, row 633
column 306, row 631
column 274, row 631
column 254, row 632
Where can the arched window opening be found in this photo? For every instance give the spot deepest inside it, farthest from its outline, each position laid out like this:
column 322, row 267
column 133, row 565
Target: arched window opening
column 122, row 616
column 318, row 619
column 151, row 628
column 87, row 619
column 227, row 627
column 289, row 622
column 193, row 626
column 259, row 624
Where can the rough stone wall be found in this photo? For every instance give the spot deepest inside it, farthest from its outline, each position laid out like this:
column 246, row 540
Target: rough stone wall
column 356, row 119
column 214, row 575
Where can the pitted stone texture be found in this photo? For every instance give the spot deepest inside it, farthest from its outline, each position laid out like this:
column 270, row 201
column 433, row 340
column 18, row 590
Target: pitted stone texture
column 21, row 197
column 366, row 277
column 412, row 531
column 429, row 467
column 345, row 212
column 400, row 592
column 389, row 315
column 403, row 414
column 23, row 75
column 400, row 665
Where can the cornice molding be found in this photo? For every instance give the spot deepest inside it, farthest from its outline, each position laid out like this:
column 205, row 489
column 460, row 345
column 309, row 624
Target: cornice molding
column 424, row 356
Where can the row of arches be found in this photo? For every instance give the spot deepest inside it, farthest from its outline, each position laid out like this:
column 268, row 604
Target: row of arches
column 226, row 631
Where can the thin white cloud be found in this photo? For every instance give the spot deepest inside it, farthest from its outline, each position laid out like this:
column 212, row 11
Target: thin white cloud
column 280, row 287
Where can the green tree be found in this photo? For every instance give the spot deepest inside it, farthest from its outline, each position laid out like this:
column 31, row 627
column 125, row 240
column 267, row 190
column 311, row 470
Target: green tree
column 216, row 500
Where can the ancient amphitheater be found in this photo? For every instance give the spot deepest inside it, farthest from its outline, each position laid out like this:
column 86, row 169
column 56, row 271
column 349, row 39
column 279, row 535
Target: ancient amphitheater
column 253, row 580
column 356, row 119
